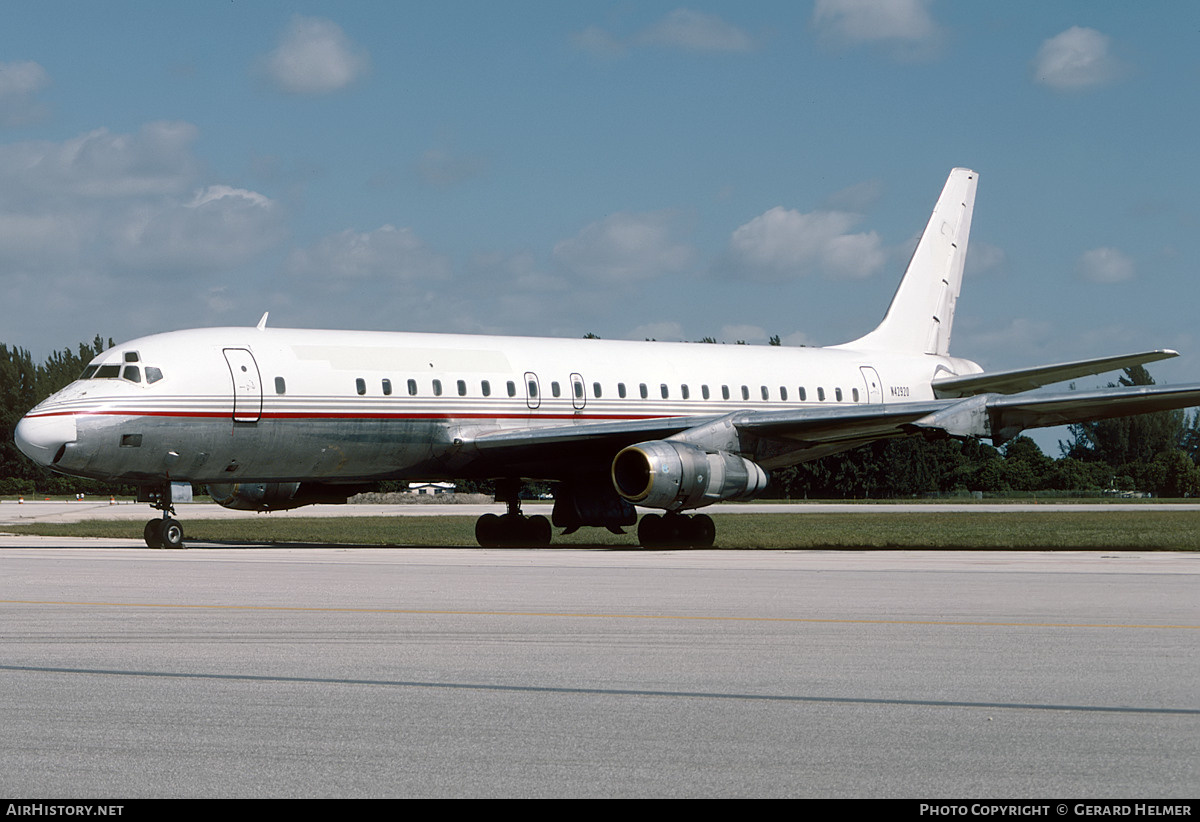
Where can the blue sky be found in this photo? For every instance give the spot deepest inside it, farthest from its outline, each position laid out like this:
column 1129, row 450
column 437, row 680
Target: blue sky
column 644, row 169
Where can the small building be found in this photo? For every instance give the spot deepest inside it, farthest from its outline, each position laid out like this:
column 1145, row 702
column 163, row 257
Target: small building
column 432, row 489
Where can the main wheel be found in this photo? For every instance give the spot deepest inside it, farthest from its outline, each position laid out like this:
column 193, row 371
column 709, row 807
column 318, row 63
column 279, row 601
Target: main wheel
column 488, row 531
column 650, row 531
column 704, row 531
column 172, row 534
column 153, row 533
column 539, row 531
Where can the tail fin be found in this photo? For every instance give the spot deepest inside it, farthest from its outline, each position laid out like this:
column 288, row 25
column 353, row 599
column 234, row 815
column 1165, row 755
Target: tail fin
column 922, row 311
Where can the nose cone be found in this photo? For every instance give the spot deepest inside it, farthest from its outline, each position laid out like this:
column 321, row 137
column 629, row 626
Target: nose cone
column 41, row 437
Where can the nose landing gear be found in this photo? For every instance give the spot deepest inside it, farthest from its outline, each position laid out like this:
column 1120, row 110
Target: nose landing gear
column 166, row 532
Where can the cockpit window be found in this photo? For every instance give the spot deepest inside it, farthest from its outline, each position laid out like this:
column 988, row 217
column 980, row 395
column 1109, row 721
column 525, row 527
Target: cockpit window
column 88, row 372
column 153, row 374
column 131, row 356
column 107, row 372
column 132, row 373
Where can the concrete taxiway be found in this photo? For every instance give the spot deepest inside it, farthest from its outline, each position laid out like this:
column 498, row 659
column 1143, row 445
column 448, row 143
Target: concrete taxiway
column 102, row 508
column 566, row 672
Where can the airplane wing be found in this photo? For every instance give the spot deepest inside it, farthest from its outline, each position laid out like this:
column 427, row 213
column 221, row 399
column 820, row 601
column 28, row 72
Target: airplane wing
column 1026, row 379
column 806, row 433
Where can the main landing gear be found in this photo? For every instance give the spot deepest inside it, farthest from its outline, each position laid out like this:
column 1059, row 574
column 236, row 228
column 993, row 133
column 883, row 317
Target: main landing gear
column 513, row 529
column 166, row 532
column 674, row 530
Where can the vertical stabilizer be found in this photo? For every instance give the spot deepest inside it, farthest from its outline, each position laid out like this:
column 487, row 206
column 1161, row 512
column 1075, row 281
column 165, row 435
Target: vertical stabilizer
column 918, row 320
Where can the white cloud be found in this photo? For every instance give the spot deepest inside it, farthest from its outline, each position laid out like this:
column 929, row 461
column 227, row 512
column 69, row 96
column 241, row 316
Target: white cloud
column 683, row 29
column 110, row 205
column 155, row 161
column 667, row 330
column 19, row 82
column 219, row 228
column 314, row 57
column 1077, row 59
column 857, row 198
column 904, row 25
column 625, row 248
column 1105, row 265
column 745, row 333
column 696, row 31
column 783, row 243
column 387, row 254
column 596, row 41
column 441, row 168
column 984, row 257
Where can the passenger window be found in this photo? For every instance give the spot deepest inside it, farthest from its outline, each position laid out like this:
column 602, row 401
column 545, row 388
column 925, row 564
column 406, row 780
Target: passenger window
column 437, row 388
column 554, row 389
column 621, row 390
column 387, row 388
column 596, row 390
column 486, row 387
column 412, row 388
column 683, row 392
column 153, row 374
column 745, row 392
column 462, row 388
column 766, row 394
column 533, row 389
column 854, row 394
column 132, row 373
column 704, row 391
column 663, row 389
column 280, row 385
column 512, row 388
column 579, row 390
column 642, row 388
column 837, row 394
column 783, row 393
column 360, row 385
column 821, row 394
column 724, row 392
column 803, row 394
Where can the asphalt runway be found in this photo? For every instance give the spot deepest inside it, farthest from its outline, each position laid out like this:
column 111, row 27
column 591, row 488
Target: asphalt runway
column 563, row 672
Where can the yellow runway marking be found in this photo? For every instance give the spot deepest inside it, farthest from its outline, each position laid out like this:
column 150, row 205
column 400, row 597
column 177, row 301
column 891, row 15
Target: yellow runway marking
column 681, row 617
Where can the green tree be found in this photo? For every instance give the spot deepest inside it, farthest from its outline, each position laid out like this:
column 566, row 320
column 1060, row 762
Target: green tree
column 1127, row 440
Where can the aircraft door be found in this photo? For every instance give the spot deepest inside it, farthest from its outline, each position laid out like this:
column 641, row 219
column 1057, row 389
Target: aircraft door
column 578, row 392
column 533, row 392
column 247, row 385
column 874, row 386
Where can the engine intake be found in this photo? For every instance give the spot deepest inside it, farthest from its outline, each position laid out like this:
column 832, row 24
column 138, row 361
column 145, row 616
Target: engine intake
column 676, row 476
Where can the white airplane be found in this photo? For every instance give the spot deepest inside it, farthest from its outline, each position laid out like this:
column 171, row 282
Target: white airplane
column 273, row 418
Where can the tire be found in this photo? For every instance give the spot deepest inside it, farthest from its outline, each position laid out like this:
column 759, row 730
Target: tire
column 488, row 530
column 650, row 531
column 152, row 533
column 539, row 530
column 172, row 534
column 704, row 531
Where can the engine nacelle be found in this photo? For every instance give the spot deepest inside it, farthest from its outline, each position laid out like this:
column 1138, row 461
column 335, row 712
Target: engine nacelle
column 278, row 496
column 676, row 476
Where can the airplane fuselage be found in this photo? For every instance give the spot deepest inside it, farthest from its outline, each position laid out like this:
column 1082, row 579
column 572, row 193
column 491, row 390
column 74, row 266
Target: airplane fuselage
column 227, row 405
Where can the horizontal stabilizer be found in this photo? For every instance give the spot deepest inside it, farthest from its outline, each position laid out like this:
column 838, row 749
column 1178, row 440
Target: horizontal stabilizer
column 1026, row 379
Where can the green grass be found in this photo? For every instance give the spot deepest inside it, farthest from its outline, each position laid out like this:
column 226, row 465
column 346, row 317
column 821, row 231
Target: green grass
column 1108, row 530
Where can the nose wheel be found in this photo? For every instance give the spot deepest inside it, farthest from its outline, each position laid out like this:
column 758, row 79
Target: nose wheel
column 165, row 532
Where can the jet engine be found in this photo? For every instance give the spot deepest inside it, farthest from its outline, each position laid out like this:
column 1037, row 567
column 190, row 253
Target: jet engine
column 677, row 476
column 278, row 496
